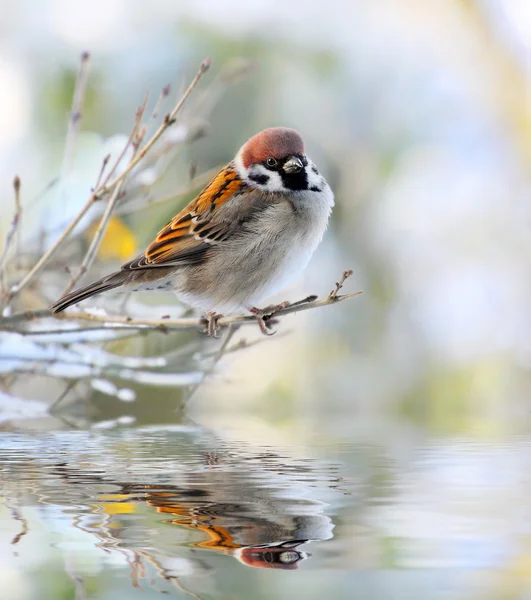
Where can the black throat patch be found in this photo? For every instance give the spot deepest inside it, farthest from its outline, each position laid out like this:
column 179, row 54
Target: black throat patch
column 295, row 181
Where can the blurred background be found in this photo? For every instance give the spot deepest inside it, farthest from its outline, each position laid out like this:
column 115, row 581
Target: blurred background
column 418, row 113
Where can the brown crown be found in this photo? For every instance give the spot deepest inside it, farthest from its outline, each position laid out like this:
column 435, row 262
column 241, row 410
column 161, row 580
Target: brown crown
column 277, row 142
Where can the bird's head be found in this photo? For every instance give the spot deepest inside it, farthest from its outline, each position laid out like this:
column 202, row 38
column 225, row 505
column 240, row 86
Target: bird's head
column 273, row 160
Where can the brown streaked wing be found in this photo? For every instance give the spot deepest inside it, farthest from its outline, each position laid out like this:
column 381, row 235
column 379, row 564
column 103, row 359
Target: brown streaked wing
column 188, row 236
column 224, row 185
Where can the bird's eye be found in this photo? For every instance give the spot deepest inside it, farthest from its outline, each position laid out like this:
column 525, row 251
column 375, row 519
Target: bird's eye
column 272, row 162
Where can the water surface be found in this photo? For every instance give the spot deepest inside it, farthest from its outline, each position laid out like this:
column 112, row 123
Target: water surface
column 178, row 510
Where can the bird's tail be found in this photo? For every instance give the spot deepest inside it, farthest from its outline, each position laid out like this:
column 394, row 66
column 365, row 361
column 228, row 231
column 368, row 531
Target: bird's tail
column 107, row 283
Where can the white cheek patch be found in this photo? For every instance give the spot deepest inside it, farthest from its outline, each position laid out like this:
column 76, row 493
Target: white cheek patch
column 264, row 179
column 316, row 181
column 318, row 184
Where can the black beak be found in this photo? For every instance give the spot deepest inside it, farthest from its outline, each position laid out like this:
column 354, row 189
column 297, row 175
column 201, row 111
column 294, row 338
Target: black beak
column 293, row 165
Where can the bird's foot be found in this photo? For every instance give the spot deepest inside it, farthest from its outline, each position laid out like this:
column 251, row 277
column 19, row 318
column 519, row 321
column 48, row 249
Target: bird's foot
column 263, row 316
column 211, row 324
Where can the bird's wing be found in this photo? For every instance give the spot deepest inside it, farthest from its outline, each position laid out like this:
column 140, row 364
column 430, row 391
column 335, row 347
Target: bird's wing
column 209, row 219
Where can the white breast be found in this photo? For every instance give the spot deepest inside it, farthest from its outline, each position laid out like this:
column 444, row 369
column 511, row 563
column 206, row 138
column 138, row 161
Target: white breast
column 307, row 224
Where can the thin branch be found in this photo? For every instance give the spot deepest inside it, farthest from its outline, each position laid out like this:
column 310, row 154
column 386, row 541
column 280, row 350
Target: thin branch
column 74, row 120
column 44, row 259
column 168, row 121
column 164, row 93
column 18, row 218
column 139, row 138
column 43, row 192
column 138, row 119
column 104, row 222
column 96, row 240
column 231, row 331
column 74, row 123
column 55, row 331
column 26, row 315
column 68, row 388
column 13, row 230
column 105, row 188
column 102, row 169
column 130, row 140
column 6, row 323
column 17, row 288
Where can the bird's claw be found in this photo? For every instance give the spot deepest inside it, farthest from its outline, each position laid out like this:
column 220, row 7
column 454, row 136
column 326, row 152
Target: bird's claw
column 211, row 321
column 263, row 316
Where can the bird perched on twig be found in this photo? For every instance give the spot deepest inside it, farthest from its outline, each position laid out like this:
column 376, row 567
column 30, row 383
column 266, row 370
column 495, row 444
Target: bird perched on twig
column 241, row 240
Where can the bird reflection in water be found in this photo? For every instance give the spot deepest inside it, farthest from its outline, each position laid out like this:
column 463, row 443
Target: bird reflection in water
column 260, row 509
column 240, row 531
column 169, row 508
column 257, row 533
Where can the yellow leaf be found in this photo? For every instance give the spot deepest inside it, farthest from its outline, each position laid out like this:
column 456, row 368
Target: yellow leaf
column 118, row 242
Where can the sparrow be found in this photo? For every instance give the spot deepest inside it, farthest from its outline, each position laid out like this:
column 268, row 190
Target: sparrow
column 246, row 235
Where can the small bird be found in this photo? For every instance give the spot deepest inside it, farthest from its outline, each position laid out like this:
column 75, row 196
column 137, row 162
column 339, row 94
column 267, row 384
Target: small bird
column 250, row 231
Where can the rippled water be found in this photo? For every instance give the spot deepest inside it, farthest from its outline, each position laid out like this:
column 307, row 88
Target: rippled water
column 149, row 511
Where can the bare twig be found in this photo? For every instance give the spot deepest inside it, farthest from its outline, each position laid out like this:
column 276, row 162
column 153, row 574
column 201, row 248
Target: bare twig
column 73, row 224
column 102, row 169
column 164, row 93
column 43, row 192
column 134, row 131
column 139, row 138
column 232, row 329
column 96, row 240
column 83, row 335
column 55, row 331
column 229, row 74
column 68, row 388
column 6, row 323
column 168, row 120
column 46, row 257
column 13, row 230
column 333, row 295
column 74, row 120
column 107, row 187
column 104, row 222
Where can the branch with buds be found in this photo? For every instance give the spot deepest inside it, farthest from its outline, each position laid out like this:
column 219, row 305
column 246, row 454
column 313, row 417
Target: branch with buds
column 10, row 323
column 14, row 230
